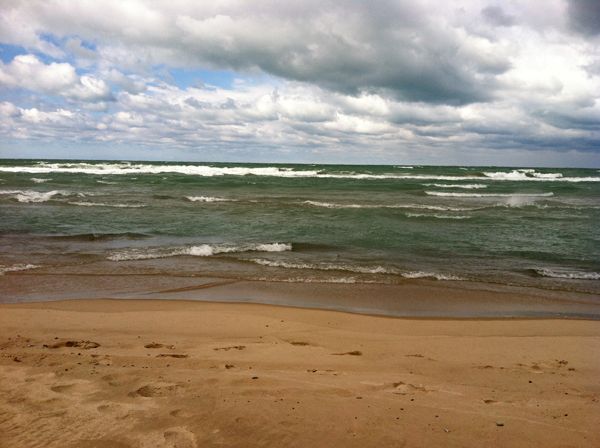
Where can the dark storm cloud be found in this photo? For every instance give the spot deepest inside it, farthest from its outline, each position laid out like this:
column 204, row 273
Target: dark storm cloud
column 584, row 16
column 398, row 48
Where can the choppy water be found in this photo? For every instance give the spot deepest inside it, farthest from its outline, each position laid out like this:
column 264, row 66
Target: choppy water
column 537, row 227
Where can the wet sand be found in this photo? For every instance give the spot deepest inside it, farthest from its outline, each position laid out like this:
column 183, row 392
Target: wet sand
column 174, row 373
column 409, row 298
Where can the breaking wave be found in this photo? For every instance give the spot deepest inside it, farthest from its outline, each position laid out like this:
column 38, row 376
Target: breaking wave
column 437, row 216
column 567, row 274
column 352, row 268
column 208, row 199
column 209, row 171
column 463, row 186
column 103, row 204
column 202, row 250
column 33, row 196
column 440, row 208
column 489, row 195
column 16, row 267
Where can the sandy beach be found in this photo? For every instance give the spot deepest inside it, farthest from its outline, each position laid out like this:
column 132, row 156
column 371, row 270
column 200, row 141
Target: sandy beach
column 158, row 373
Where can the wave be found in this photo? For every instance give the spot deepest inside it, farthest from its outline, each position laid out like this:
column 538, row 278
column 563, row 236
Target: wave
column 16, row 267
column 100, row 236
column 352, row 268
column 489, row 195
column 33, row 196
column 208, row 199
column 202, row 250
column 312, row 280
column 37, row 180
column 325, row 266
column 567, row 274
column 464, row 186
column 424, row 274
column 437, row 216
column 440, row 208
column 123, row 168
column 103, row 204
column 106, row 182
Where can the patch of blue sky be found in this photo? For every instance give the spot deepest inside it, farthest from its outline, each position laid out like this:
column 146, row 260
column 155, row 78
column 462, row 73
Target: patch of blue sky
column 184, row 78
column 8, row 52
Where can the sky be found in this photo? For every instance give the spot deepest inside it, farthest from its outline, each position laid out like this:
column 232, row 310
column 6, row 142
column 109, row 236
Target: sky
column 459, row 82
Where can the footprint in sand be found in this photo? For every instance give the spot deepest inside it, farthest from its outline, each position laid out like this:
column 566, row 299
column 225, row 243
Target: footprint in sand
column 78, row 388
column 352, row 353
column 402, row 388
column 233, row 347
column 171, row 355
column 180, row 437
column 156, row 390
column 158, row 345
column 86, row 345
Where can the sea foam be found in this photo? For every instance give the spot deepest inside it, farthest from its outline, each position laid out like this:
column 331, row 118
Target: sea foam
column 104, row 204
column 16, row 267
column 209, row 171
column 208, row 199
column 489, row 195
column 33, row 196
column 567, row 274
column 202, row 250
column 441, row 208
column 353, row 268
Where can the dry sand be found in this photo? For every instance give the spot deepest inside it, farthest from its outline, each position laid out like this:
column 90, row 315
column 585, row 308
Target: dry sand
column 129, row 373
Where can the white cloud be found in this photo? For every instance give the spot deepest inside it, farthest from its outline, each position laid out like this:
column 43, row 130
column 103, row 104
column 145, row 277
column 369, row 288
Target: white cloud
column 28, row 72
column 387, row 78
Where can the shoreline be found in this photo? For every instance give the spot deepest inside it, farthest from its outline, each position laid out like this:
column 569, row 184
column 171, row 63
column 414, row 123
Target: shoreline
column 417, row 298
column 141, row 373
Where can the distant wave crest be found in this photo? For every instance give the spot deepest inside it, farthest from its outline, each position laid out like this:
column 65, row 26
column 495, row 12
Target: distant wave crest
column 123, row 168
column 489, row 195
column 207, row 199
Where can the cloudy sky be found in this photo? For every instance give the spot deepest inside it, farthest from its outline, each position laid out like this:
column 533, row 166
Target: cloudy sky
column 431, row 82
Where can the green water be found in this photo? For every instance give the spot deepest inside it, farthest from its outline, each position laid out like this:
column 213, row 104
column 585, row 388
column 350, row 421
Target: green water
column 535, row 227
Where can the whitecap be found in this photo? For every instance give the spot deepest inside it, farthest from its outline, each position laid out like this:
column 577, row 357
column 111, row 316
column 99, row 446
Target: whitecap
column 391, row 206
column 353, row 268
column 16, row 267
column 38, row 180
column 103, row 204
column 567, row 274
column 436, row 276
column 202, row 250
column 209, row 171
column 464, row 186
column 325, row 266
column 488, row 195
column 33, row 196
column 208, row 199
column 438, row 216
